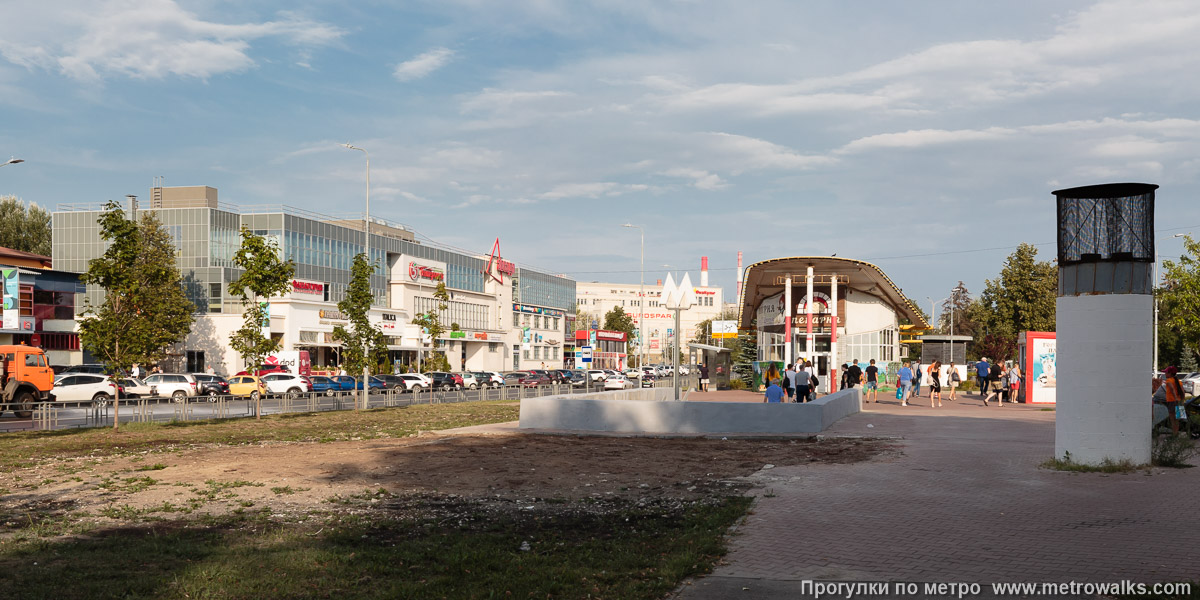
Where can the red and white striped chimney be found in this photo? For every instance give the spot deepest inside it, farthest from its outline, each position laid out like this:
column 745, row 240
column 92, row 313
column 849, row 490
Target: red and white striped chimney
column 739, row 276
column 703, row 271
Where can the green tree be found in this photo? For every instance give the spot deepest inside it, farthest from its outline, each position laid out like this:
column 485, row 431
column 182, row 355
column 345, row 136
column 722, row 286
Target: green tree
column 144, row 309
column 431, row 324
column 363, row 345
column 264, row 276
column 1022, row 298
column 1179, row 300
column 619, row 320
column 24, row 228
column 744, row 357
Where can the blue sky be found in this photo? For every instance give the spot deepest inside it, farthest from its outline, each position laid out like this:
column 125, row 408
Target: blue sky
column 923, row 136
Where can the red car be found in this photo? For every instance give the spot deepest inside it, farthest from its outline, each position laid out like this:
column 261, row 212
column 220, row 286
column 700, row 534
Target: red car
column 535, row 379
column 264, row 369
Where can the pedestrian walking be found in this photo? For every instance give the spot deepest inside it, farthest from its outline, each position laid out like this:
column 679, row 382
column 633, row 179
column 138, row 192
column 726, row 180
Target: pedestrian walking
column 813, row 380
column 844, row 382
column 904, row 379
column 1014, row 383
column 995, row 384
column 982, row 370
column 935, row 383
column 872, row 386
column 952, row 380
column 136, row 371
column 854, row 374
column 789, row 381
column 802, row 382
column 1172, row 395
column 916, row 378
column 774, row 393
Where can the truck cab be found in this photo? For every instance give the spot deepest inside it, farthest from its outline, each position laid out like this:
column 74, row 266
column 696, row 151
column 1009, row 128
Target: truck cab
column 25, row 378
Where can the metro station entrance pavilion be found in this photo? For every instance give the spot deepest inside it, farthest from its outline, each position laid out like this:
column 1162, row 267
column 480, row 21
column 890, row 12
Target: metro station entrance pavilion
column 824, row 309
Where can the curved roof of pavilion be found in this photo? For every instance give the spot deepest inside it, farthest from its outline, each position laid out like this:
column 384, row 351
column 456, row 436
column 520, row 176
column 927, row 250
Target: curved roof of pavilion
column 765, row 278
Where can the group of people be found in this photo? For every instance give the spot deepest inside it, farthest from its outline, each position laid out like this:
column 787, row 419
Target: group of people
column 998, row 381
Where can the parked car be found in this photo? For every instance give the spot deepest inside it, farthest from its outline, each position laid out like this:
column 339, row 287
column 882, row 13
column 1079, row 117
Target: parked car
column 684, row 370
column 211, row 385
column 489, row 379
column 373, row 383
column 136, row 388
column 469, row 381
column 413, row 382
column 444, row 381
column 91, row 368
column 617, row 382
column 533, row 379
column 553, row 376
column 597, row 375
column 391, row 382
column 324, row 385
column 81, row 387
column 285, row 383
column 611, row 372
column 648, row 380
column 176, row 385
column 266, row 370
column 633, row 373
column 514, row 377
column 578, row 379
column 566, row 374
column 247, row 385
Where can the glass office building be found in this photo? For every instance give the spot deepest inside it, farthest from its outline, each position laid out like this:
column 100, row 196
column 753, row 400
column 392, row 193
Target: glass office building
column 206, row 237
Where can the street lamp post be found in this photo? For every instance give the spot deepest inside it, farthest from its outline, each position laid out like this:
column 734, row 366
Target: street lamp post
column 366, row 383
column 12, row 161
column 641, row 299
column 1154, row 367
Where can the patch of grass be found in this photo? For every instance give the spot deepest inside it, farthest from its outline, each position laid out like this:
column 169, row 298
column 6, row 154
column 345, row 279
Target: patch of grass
column 1172, row 451
column 288, row 490
column 627, row 552
column 25, row 448
column 153, row 467
column 1046, row 410
column 1066, row 463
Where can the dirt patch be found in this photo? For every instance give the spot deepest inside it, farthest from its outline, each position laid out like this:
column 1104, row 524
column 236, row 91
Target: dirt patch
column 508, row 470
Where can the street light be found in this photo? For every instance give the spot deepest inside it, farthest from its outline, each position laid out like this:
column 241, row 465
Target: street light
column 367, row 251
column 1155, row 366
column 641, row 299
column 12, row 161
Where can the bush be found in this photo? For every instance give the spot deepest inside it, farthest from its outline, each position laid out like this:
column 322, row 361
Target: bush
column 1172, row 450
column 737, row 384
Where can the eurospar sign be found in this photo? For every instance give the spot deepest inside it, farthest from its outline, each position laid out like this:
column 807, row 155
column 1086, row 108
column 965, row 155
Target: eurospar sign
column 423, row 271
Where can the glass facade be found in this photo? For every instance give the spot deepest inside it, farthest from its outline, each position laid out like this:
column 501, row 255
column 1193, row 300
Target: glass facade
column 206, row 239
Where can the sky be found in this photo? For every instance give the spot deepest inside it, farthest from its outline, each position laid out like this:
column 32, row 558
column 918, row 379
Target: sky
column 925, row 137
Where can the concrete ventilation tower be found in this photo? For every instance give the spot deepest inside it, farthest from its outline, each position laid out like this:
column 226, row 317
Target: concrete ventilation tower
column 1105, row 313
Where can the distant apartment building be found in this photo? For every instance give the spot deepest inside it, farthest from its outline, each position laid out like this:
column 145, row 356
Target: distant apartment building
column 649, row 313
column 487, row 297
column 39, row 306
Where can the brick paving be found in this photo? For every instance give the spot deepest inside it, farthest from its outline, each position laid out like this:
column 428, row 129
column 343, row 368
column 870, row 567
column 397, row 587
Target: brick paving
column 965, row 501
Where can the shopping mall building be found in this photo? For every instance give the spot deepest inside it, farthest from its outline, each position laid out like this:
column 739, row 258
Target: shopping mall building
column 507, row 316
column 824, row 309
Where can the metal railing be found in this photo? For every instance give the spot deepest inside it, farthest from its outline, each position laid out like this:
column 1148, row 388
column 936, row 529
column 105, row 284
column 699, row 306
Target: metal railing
column 98, row 413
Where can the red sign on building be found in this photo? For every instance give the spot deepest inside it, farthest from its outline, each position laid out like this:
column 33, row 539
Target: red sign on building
column 308, row 287
column 416, row 272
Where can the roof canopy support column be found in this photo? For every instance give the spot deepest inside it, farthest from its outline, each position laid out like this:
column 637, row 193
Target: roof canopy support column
column 787, row 320
column 833, row 325
column 810, row 344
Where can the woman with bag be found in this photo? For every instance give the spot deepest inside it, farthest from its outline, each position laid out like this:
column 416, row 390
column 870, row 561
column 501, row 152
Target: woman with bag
column 995, row 379
column 1014, row 383
column 813, row 379
column 952, row 380
column 935, row 383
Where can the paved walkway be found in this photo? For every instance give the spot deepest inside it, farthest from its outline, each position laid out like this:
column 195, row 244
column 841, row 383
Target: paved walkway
column 965, row 502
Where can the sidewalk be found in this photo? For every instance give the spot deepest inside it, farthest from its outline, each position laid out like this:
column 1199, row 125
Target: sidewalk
column 965, row 502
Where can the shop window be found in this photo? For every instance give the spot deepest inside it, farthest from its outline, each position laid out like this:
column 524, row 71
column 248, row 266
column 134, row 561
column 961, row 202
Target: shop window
column 195, row 361
column 516, row 319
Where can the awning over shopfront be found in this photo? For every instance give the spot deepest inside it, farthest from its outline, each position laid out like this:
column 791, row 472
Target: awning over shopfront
column 767, row 278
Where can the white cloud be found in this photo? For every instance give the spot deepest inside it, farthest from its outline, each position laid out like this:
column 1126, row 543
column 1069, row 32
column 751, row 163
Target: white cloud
column 148, row 39
column 423, row 64
column 703, row 180
column 922, row 138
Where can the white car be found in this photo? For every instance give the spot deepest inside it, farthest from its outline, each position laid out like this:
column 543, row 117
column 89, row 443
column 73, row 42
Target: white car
column 136, row 388
column 83, row 387
column 617, row 382
column 597, row 375
column 683, row 370
column 175, row 385
column 469, row 380
column 285, row 383
column 633, row 373
column 415, row 381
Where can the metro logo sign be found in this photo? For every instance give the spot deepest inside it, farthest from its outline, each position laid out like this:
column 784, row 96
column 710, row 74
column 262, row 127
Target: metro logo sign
column 417, row 272
column 308, row 287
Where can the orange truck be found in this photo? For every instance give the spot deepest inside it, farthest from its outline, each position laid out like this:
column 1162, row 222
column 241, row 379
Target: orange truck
column 26, row 378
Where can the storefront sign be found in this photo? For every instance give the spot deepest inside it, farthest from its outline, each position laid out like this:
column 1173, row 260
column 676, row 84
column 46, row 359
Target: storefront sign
column 502, row 266
column 704, row 292
column 457, row 334
column 417, row 272
column 611, row 336
column 308, row 287
column 537, row 310
column 333, row 315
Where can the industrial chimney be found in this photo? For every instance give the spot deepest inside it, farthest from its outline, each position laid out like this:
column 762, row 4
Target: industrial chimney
column 703, row 271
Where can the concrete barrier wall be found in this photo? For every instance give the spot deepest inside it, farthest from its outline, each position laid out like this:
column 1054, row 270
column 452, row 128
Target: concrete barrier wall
column 650, row 411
